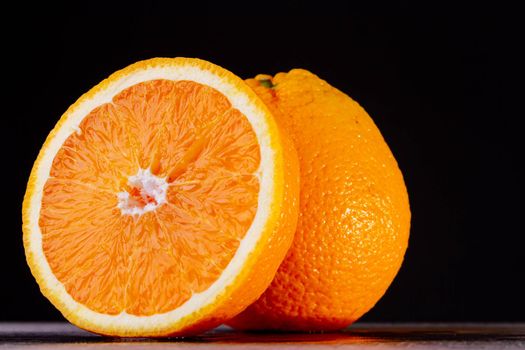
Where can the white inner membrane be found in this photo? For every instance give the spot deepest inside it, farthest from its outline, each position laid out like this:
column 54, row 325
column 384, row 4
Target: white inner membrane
column 148, row 193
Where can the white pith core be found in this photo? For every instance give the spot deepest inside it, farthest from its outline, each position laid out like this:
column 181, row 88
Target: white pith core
column 148, row 193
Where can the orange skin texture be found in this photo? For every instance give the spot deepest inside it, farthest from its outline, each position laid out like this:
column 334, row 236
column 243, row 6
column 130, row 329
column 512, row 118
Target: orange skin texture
column 354, row 219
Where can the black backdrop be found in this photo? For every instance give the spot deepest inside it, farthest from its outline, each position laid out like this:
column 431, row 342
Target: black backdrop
column 441, row 88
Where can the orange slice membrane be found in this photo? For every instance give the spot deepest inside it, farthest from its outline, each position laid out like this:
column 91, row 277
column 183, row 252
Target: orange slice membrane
column 146, row 204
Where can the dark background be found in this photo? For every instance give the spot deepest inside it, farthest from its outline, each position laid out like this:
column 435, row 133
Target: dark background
column 442, row 88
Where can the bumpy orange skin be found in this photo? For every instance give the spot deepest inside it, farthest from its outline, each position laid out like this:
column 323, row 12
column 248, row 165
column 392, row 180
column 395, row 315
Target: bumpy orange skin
column 354, row 218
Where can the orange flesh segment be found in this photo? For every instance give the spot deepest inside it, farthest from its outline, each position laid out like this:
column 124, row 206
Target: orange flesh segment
column 183, row 131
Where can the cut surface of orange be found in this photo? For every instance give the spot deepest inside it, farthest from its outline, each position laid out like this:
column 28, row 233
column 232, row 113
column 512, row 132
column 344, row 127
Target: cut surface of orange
column 162, row 203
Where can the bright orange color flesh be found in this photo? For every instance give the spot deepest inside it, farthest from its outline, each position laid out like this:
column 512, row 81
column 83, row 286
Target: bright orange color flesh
column 182, row 131
column 354, row 217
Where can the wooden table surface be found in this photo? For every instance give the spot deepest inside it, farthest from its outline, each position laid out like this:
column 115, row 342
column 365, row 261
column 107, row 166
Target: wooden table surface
column 359, row 336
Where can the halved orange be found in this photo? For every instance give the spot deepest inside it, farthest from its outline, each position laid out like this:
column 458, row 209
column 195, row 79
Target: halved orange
column 162, row 203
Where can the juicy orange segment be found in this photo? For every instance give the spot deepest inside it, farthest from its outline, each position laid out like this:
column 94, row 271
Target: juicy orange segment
column 187, row 137
column 162, row 202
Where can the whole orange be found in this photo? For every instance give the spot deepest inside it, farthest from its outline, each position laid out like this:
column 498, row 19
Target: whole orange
column 354, row 218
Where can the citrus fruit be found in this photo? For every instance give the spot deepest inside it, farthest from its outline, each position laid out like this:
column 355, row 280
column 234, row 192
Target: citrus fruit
column 354, row 217
column 162, row 202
